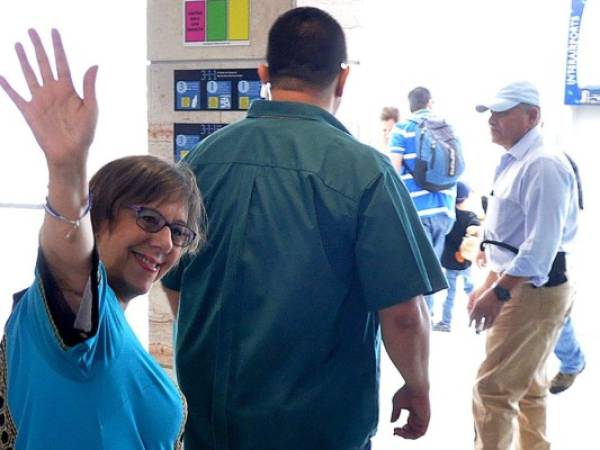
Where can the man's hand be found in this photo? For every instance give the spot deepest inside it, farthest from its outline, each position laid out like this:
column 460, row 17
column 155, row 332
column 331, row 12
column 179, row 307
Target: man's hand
column 489, row 281
column 405, row 332
column 419, row 413
column 481, row 259
column 484, row 310
column 473, row 296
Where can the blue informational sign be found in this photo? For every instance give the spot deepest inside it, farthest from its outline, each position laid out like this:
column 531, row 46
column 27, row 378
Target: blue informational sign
column 189, row 135
column 218, row 94
column 248, row 91
column 582, row 78
column 187, row 95
column 215, row 89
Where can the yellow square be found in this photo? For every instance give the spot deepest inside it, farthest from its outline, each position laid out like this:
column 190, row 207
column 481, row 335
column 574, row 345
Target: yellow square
column 244, row 102
column 213, row 102
column 185, row 102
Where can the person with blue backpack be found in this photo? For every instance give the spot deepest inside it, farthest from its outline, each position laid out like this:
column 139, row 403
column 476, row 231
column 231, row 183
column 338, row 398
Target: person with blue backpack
column 429, row 159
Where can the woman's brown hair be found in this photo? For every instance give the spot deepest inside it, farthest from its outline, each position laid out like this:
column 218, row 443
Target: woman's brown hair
column 143, row 179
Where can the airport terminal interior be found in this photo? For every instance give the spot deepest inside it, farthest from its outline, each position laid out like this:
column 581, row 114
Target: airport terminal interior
column 164, row 85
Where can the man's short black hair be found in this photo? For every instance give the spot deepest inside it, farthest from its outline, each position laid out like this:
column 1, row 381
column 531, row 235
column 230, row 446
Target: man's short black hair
column 307, row 45
column 418, row 98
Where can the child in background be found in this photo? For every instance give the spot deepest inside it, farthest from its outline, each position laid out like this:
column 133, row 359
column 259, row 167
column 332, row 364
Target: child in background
column 390, row 115
column 460, row 249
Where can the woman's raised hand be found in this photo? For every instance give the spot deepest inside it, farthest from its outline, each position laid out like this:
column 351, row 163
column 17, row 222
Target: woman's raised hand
column 62, row 122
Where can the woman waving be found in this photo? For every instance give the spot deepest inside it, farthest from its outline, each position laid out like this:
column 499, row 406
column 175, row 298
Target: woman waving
column 73, row 375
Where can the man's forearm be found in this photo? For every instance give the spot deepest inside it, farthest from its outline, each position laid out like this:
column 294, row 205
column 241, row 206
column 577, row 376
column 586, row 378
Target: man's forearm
column 405, row 331
column 489, row 280
column 396, row 159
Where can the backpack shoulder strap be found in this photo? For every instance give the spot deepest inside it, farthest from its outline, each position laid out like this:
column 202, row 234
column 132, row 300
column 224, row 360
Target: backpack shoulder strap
column 418, row 121
column 435, row 121
column 577, row 178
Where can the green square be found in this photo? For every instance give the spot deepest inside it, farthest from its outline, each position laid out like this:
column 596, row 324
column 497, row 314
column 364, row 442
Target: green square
column 216, row 20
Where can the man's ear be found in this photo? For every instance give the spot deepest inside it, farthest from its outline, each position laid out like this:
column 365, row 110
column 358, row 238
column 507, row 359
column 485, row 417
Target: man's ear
column 341, row 81
column 263, row 73
column 535, row 116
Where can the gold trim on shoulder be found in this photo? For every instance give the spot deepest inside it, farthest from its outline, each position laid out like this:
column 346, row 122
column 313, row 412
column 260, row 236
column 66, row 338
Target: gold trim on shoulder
column 179, row 442
column 8, row 431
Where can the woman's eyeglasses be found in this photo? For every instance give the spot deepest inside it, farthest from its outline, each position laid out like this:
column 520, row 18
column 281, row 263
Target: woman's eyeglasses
column 152, row 221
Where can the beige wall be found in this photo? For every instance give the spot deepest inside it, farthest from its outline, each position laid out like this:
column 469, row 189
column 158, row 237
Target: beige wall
column 167, row 53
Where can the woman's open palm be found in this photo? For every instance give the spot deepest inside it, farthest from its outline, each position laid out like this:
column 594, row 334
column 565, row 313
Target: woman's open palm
column 62, row 122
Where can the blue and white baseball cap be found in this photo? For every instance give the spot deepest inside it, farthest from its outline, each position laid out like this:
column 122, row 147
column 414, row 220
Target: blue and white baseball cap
column 510, row 96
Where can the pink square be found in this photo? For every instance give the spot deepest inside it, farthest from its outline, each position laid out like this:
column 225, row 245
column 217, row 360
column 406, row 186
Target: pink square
column 195, row 21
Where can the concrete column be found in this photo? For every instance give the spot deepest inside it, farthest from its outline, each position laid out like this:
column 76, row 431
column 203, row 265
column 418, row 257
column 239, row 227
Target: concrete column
column 167, row 53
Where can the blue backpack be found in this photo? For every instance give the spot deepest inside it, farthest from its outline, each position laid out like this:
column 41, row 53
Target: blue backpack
column 440, row 161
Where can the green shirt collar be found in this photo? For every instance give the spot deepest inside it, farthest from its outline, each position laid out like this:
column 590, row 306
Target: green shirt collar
column 276, row 109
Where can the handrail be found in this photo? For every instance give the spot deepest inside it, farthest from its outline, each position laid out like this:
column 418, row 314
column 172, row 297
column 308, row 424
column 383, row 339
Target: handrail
column 21, row 205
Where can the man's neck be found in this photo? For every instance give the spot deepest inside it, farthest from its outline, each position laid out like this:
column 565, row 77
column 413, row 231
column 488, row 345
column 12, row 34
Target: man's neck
column 325, row 102
column 421, row 111
column 509, row 147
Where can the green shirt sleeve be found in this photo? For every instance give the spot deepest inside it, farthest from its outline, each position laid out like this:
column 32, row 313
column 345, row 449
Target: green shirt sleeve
column 395, row 261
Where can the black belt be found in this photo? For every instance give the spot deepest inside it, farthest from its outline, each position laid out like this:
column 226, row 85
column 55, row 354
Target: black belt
column 558, row 271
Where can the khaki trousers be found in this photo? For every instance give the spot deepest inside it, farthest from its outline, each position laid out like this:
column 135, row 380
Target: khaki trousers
column 512, row 382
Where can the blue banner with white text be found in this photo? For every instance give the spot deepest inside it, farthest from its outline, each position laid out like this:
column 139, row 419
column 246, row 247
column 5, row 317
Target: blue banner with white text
column 582, row 77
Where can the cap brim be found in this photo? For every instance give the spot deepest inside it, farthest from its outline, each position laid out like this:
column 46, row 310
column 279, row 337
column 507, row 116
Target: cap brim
column 497, row 105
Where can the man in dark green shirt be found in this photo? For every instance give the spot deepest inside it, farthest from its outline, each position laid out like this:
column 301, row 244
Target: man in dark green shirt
column 313, row 247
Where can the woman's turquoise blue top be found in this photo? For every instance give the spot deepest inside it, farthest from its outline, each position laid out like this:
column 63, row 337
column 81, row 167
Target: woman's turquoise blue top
column 104, row 393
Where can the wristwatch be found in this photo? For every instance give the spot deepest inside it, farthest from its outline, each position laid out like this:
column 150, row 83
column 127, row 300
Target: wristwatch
column 502, row 294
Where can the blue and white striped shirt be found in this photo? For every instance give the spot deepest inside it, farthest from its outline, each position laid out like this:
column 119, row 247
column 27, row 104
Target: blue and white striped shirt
column 403, row 142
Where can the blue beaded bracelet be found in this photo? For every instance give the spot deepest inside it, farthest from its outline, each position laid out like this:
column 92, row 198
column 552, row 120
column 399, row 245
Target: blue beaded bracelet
column 75, row 223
